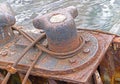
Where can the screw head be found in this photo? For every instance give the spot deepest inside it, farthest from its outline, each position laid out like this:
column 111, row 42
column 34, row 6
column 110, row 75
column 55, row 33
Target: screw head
column 86, row 50
column 3, row 53
column 32, row 58
column 87, row 39
column 72, row 61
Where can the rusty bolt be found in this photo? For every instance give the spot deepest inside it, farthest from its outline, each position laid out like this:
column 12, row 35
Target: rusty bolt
column 87, row 39
column 33, row 58
column 72, row 61
column 86, row 50
column 4, row 53
column 11, row 69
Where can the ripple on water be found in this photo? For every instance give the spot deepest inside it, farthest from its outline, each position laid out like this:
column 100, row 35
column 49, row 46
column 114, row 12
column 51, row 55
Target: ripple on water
column 94, row 14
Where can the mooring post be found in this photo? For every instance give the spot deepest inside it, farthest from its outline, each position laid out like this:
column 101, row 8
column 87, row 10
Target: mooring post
column 7, row 19
column 60, row 29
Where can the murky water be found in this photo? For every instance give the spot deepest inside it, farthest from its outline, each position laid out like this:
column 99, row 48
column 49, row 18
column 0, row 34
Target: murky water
column 94, row 14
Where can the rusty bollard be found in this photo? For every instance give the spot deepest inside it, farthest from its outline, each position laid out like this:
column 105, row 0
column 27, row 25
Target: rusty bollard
column 60, row 29
column 7, row 19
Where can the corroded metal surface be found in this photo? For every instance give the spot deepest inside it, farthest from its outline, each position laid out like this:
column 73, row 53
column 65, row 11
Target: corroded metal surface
column 81, row 75
column 52, row 65
column 80, row 51
column 97, row 78
column 110, row 66
column 86, row 54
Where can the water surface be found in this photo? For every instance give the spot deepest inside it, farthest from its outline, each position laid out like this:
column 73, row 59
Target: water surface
column 93, row 14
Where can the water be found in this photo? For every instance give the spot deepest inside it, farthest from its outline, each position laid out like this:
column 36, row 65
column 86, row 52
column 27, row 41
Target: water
column 93, row 14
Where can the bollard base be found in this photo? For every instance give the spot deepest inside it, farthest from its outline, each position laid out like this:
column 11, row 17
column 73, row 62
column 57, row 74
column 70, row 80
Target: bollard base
column 44, row 66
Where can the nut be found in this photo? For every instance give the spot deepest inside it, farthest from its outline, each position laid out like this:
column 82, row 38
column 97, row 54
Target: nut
column 87, row 39
column 72, row 61
column 3, row 53
column 33, row 58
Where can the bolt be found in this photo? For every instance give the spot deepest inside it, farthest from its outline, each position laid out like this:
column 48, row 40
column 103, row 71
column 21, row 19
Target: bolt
column 86, row 50
column 3, row 53
column 33, row 58
column 87, row 39
column 72, row 61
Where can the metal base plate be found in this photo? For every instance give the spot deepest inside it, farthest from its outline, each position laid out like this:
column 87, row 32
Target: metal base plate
column 79, row 71
column 85, row 56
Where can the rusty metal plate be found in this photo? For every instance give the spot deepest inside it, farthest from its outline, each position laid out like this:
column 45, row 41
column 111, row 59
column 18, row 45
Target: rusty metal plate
column 52, row 65
column 80, row 75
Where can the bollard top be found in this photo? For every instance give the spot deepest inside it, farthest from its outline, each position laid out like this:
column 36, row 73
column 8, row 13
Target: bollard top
column 7, row 17
column 58, row 17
